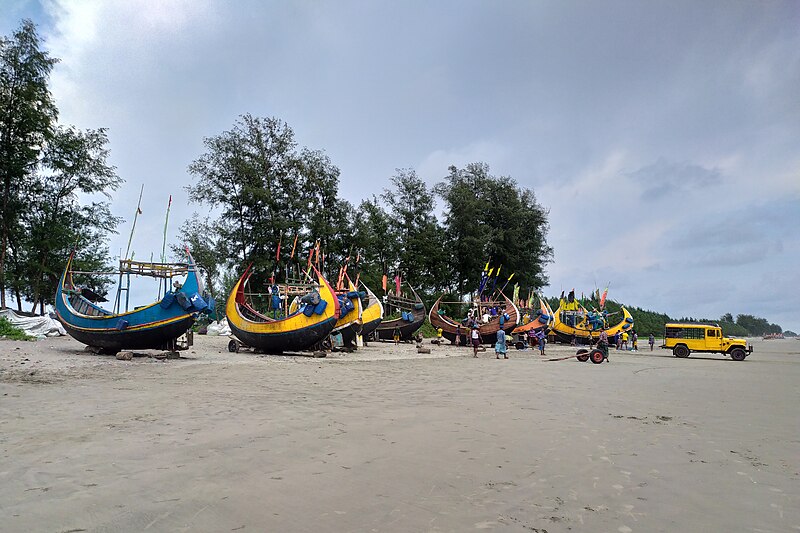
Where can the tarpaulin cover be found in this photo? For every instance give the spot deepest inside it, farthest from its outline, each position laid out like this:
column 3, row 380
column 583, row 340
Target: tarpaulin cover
column 38, row 326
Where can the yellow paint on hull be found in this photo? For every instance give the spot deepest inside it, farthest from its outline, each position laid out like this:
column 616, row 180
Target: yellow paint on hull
column 584, row 331
column 288, row 324
column 374, row 309
column 354, row 316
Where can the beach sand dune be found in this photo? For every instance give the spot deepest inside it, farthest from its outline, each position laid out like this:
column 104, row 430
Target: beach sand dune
column 385, row 439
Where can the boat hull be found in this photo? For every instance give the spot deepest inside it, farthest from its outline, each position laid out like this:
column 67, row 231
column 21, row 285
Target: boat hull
column 286, row 341
column 147, row 337
column 584, row 335
column 155, row 326
column 408, row 329
column 488, row 332
column 294, row 333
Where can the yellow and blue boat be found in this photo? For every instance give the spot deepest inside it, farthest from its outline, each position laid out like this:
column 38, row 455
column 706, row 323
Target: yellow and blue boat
column 307, row 324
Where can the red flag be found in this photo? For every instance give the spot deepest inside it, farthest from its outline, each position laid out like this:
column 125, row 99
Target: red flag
column 278, row 255
column 385, row 280
column 603, row 298
column 293, row 247
column 397, row 285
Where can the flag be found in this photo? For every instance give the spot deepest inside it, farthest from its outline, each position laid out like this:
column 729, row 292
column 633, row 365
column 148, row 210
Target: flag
column 484, row 279
column 490, row 272
column 486, row 267
column 603, row 298
column 384, row 280
column 498, row 270
column 511, row 276
column 516, row 292
column 278, row 255
column 293, row 247
column 397, row 285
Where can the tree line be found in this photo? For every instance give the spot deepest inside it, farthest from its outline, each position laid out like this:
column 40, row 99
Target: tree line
column 275, row 204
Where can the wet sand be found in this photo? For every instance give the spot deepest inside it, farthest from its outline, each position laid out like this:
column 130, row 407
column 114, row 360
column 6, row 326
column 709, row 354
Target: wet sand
column 388, row 440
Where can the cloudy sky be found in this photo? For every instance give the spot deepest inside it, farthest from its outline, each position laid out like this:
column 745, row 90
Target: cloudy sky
column 664, row 136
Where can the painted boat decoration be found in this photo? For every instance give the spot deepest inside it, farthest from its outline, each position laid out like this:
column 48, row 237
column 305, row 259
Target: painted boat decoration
column 584, row 326
column 310, row 323
column 452, row 328
column 412, row 316
column 543, row 319
column 155, row 326
column 372, row 315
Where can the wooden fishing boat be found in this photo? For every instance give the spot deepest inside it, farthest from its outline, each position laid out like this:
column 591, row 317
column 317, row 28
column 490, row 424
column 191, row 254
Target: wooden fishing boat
column 565, row 326
column 452, row 328
column 310, row 323
column 412, row 316
column 372, row 315
column 349, row 323
column 155, row 326
column 543, row 319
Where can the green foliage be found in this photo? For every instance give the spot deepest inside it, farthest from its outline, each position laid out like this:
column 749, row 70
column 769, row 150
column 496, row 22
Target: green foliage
column 376, row 243
column 427, row 330
column 46, row 170
column 12, row 332
column 491, row 218
column 757, row 326
column 789, row 333
column 27, row 117
column 421, row 256
column 268, row 192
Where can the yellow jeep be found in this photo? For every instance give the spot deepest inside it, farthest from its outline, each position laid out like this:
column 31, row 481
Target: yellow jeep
column 685, row 338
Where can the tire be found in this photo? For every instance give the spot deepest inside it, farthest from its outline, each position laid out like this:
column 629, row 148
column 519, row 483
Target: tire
column 582, row 355
column 596, row 356
column 680, row 351
column 519, row 345
column 233, row 346
column 738, row 354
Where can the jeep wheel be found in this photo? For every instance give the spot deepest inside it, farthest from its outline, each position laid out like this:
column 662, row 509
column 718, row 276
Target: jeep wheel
column 680, row 351
column 596, row 356
column 233, row 346
column 582, row 355
column 737, row 354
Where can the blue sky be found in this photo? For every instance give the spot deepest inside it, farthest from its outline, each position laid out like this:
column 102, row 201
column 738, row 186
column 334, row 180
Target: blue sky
column 664, row 137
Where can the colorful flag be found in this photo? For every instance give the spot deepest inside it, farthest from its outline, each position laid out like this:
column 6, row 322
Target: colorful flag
column 603, row 298
column 293, row 247
column 278, row 255
column 384, row 281
column 397, row 285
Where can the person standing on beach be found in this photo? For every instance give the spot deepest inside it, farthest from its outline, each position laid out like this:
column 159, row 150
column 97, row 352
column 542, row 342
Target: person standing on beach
column 634, row 341
column 540, row 336
column 476, row 340
column 500, row 346
column 625, row 340
column 458, row 335
column 651, row 341
column 396, row 335
column 617, row 340
column 602, row 343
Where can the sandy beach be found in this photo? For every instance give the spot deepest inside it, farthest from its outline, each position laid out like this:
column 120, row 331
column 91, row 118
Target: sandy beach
column 385, row 439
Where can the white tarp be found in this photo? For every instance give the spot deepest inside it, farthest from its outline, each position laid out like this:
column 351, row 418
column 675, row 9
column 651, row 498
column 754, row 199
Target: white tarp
column 220, row 327
column 38, row 326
